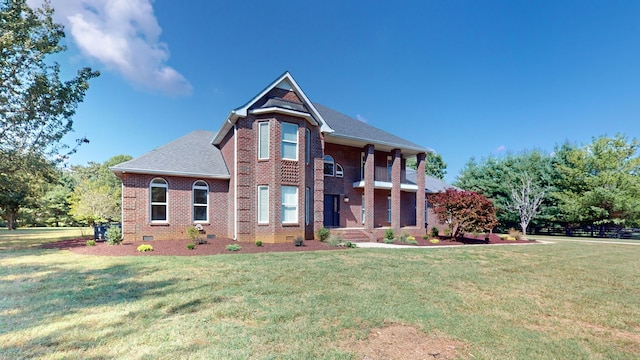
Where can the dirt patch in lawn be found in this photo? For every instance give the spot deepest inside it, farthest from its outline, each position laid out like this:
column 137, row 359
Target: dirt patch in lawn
column 179, row 247
column 405, row 342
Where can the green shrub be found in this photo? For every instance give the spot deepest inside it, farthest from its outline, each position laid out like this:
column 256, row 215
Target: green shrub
column 447, row 232
column 91, row 243
column 404, row 238
column 323, row 233
column 435, row 232
column 412, row 242
column 145, row 247
column 334, row 240
column 259, row 243
column 388, row 234
column 191, row 246
column 434, row 241
column 389, row 241
column 425, row 237
column 298, row 241
column 234, row 247
column 504, row 237
column 194, row 234
column 114, row 235
column 350, row 244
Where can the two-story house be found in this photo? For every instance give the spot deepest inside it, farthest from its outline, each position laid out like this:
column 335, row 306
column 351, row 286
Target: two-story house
column 279, row 167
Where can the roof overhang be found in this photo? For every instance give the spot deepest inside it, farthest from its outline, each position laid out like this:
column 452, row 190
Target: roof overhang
column 120, row 171
column 379, row 145
column 289, row 112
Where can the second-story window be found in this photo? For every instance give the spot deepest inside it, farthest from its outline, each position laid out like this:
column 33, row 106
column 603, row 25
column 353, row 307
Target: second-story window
column 289, row 141
column 263, row 140
column 329, row 166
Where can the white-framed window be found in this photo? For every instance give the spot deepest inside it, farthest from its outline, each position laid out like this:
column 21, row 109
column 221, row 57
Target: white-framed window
column 200, row 201
column 389, row 168
column 159, row 203
column 389, row 209
column 329, row 166
column 426, row 210
column 289, row 141
column 307, row 206
column 289, row 204
column 307, row 146
column 263, row 140
column 263, row 204
column 339, row 170
column 363, row 206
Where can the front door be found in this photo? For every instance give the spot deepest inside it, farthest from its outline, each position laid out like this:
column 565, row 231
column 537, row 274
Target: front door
column 331, row 211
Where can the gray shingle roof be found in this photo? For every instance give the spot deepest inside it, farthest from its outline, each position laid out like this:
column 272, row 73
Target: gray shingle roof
column 346, row 126
column 432, row 184
column 191, row 155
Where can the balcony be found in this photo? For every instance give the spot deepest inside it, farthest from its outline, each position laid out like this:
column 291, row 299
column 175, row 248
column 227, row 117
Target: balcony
column 382, row 180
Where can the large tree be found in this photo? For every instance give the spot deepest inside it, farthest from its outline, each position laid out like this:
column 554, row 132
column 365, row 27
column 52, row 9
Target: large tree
column 433, row 165
column 599, row 183
column 36, row 106
column 464, row 211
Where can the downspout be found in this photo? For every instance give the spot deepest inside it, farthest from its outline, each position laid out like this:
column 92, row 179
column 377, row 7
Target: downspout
column 235, row 182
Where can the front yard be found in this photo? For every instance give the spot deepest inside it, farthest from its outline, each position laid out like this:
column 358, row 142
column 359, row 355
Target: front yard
column 567, row 300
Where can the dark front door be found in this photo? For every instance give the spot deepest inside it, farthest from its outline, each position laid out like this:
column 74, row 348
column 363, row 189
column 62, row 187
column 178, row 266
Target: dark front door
column 331, row 211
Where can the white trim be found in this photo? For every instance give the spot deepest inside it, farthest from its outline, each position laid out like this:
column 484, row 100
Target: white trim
column 333, row 165
column 282, row 140
column 307, row 205
column 379, row 145
column 307, row 146
column 389, row 206
column 283, row 204
column 339, row 170
column 235, row 182
column 386, row 186
column 260, row 129
column 165, row 203
column 264, row 221
column 279, row 110
column 195, row 187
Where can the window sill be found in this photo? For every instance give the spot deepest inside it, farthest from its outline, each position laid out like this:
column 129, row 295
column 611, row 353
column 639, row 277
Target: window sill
column 159, row 223
column 290, row 224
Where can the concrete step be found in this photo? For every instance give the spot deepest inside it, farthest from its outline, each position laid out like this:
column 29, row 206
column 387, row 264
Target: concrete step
column 353, row 235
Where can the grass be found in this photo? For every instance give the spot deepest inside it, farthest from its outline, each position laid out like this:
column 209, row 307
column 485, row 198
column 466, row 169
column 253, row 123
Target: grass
column 567, row 300
column 32, row 237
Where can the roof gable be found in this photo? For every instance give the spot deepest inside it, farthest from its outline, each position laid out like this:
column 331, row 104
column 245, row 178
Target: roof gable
column 284, row 82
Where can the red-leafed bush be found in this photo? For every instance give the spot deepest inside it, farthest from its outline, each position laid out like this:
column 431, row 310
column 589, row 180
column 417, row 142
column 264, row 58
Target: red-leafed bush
column 464, row 211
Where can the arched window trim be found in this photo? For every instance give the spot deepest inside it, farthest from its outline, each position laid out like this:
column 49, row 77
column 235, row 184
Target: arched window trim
column 199, row 185
column 329, row 161
column 159, row 183
column 339, row 170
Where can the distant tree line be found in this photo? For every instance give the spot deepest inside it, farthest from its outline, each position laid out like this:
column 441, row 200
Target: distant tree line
column 596, row 185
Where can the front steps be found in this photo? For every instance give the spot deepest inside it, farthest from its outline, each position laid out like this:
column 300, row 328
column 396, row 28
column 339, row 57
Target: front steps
column 354, row 235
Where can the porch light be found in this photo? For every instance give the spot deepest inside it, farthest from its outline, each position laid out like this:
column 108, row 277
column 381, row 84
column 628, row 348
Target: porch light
column 346, row 199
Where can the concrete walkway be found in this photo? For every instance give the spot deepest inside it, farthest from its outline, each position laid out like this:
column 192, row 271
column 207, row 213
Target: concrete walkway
column 375, row 245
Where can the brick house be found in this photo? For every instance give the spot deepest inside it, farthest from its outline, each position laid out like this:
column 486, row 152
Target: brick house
column 279, row 167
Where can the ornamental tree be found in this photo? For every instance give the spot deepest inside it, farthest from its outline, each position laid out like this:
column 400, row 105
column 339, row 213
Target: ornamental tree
column 464, row 211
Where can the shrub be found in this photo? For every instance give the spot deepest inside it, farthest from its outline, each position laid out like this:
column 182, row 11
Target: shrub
column 425, row 237
column 389, row 241
column 435, row 232
column 334, row 240
column 91, row 243
column 323, row 233
column 504, row 237
column 411, row 238
column 388, row 234
column 145, row 247
column 404, row 238
column 511, row 238
column 194, row 234
column 114, row 235
column 349, row 244
column 447, row 232
column 515, row 234
column 259, row 243
column 298, row 241
column 434, row 241
column 191, row 246
column 233, row 247
column 412, row 241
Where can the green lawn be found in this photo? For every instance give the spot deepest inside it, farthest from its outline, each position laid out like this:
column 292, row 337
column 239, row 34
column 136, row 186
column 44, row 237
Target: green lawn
column 31, row 237
column 566, row 300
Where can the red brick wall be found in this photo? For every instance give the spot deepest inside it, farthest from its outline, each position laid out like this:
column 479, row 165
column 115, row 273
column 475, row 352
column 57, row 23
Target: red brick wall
column 136, row 218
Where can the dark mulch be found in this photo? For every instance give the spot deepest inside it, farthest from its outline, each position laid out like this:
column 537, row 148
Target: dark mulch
column 179, row 247
column 218, row 246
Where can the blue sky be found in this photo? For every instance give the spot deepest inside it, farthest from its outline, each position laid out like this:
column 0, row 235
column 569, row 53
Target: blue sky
column 466, row 78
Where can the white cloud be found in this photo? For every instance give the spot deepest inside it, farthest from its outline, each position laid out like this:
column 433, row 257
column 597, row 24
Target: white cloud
column 501, row 148
column 124, row 35
column 361, row 118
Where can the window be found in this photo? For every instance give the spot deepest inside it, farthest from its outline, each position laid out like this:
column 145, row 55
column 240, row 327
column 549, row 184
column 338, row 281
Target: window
column 329, row 167
column 158, row 193
column 263, row 140
column 200, row 201
column 289, row 204
column 263, row 204
column 307, row 205
column 307, row 146
column 426, row 210
column 339, row 170
column 362, row 162
column 388, row 209
column 289, row 141
column 363, row 207
column 389, row 168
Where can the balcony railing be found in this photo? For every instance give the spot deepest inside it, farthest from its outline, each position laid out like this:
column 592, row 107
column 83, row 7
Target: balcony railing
column 383, row 174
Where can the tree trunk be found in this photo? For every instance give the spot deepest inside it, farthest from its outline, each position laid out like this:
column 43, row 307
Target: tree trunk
column 11, row 219
column 524, row 229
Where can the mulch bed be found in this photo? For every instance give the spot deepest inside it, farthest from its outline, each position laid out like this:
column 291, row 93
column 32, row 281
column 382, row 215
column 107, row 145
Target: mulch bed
column 218, row 246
